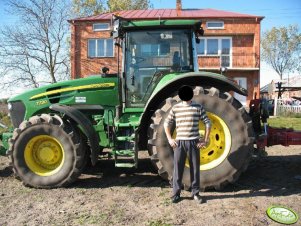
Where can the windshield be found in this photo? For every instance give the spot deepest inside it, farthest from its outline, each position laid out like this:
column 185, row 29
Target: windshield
column 149, row 56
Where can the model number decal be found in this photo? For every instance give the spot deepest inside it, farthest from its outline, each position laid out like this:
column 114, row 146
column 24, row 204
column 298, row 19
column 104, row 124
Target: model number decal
column 80, row 100
column 41, row 102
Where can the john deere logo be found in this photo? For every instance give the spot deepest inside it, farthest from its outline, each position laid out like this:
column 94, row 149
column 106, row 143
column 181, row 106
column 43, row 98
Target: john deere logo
column 282, row 215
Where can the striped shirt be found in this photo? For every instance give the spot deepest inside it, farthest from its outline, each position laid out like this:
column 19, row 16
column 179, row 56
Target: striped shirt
column 187, row 117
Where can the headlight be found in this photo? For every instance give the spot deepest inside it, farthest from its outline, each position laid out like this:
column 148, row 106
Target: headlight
column 9, row 106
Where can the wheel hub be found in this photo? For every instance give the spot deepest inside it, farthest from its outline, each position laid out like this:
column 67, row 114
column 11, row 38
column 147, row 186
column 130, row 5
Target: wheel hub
column 219, row 146
column 44, row 155
column 48, row 154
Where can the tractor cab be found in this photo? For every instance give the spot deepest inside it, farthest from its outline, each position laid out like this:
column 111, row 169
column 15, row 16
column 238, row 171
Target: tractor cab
column 151, row 54
column 153, row 49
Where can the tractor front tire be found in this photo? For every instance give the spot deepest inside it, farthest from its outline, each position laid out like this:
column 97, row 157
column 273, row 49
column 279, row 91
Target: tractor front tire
column 46, row 152
column 231, row 140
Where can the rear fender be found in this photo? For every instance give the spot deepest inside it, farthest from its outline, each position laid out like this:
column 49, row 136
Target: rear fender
column 201, row 79
column 166, row 87
column 85, row 124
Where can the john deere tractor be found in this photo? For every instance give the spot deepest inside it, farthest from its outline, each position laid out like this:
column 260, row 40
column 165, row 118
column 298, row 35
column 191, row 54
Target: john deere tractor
column 60, row 127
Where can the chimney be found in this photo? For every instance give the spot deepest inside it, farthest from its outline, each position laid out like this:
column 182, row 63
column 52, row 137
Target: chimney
column 179, row 7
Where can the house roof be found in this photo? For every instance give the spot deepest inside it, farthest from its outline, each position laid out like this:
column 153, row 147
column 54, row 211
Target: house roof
column 290, row 82
column 293, row 82
column 168, row 14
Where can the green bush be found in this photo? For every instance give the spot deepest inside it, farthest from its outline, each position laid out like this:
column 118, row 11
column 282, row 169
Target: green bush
column 2, row 115
column 5, row 119
column 4, row 101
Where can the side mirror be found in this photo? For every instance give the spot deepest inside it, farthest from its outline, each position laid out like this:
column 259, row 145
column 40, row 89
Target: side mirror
column 199, row 32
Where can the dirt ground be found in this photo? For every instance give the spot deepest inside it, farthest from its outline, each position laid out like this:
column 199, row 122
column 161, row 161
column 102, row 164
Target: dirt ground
column 105, row 195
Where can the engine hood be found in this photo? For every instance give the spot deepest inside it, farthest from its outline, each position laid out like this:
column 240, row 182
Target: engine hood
column 91, row 82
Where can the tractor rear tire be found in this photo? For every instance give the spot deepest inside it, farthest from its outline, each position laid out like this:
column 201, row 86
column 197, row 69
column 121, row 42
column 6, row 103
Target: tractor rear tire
column 231, row 140
column 46, row 152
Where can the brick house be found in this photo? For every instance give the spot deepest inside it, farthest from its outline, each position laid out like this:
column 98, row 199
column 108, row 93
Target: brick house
column 231, row 40
column 291, row 87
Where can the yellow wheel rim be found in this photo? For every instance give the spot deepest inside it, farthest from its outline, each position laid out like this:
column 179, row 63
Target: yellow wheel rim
column 219, row 145
column 44, row 155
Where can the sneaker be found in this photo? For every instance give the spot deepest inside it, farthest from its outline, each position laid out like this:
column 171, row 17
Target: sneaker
column 198, row 198
column 175, row 198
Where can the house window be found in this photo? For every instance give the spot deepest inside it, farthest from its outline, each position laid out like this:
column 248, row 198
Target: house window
column 100, row 48
column 212, row 47
column 201, row 47
column 225, row 52
column 101, row 27
column 215, row 25
column 216, row 46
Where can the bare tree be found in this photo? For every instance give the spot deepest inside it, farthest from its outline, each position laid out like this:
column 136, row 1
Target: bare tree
column 117, row 5
column 35, row 50
column 281, row 48
column 83, row 8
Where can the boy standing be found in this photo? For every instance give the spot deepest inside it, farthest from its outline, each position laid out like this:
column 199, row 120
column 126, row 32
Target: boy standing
column 187, row 115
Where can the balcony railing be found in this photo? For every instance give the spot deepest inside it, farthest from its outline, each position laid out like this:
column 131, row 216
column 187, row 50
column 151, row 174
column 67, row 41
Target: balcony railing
column 236, row 60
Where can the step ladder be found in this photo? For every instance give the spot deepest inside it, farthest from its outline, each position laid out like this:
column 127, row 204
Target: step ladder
column 126, row 158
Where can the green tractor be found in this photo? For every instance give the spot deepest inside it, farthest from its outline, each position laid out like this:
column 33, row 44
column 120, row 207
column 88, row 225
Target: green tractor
column 59, row 128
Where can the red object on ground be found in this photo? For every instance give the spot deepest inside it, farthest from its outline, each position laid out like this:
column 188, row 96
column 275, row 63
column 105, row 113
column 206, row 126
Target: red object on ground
column 283, row 136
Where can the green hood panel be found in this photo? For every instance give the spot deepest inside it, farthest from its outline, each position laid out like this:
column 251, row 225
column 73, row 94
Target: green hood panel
column 65, row 86
column 93, row 90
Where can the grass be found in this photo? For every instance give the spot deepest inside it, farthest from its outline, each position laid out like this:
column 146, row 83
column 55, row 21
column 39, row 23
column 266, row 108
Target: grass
column 92, row 219
column 114, row 216
column 285, row 122
column 24, row 190
column 163, row 192
column 158, row 223
column 166, row 202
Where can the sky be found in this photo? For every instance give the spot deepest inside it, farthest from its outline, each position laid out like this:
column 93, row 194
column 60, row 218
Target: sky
column 276, row 13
